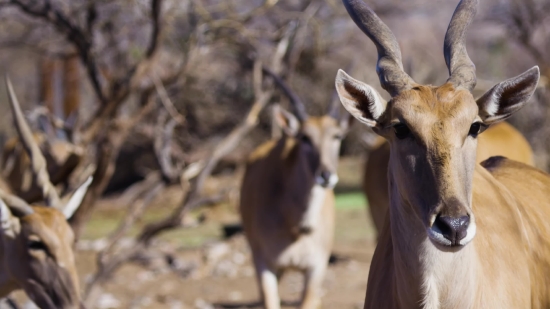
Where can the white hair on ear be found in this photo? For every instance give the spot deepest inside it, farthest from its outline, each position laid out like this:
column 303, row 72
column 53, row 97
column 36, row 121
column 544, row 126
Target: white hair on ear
column 360, row 94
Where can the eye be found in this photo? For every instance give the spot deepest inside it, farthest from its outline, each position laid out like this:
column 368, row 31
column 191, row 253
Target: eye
column 476, row 128
column 338, row 137
column 36, row 245
column 401, row 131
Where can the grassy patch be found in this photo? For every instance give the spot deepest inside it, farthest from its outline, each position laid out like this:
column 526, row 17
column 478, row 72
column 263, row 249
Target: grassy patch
column 351, row 217
column 355, row 200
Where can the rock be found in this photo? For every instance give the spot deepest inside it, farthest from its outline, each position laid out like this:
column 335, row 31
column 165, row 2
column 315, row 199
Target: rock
column 107, row 301
column 216, row 251
column 202, row 304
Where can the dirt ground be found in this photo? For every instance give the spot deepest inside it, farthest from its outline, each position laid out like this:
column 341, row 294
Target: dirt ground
column 198, row 268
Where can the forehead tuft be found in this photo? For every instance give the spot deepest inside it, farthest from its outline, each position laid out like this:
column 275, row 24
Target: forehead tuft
column 320, row 122
column 47, row 216
column 442, row 102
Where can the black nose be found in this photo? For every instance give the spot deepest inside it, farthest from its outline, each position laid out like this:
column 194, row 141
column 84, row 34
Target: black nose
column 454, row 229
column 324, row 178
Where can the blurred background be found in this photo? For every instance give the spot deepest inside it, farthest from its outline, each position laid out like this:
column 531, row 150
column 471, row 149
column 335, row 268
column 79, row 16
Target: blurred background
column 159, row 101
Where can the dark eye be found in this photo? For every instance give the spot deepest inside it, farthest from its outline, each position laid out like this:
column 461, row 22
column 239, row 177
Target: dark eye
column 36, row 245
column 401, row 131
column 305, row 139
column 475, row 129
column 338, row 137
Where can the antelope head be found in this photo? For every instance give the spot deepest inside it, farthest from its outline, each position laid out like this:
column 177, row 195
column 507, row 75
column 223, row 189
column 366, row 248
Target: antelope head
column 37, row 240
column 62, row 157
column 432, row 130
column 317, row 138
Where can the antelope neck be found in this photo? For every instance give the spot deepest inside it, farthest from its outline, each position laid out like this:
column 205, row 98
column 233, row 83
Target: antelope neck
column 425, row 276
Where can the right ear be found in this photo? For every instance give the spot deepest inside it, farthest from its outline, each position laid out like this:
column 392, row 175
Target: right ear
column 507, row 97
column 286, row 121
column 360, row 99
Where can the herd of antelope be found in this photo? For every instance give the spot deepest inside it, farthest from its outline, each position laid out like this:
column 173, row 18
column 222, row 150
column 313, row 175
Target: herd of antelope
column 461, row 214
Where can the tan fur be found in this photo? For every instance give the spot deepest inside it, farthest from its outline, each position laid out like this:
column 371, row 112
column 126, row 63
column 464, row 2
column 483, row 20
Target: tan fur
column 507, row 264
column 278, row 186
column 62, row 157
column 36, row 242
column 47, row 274
column 457, row 234
column 500, row 139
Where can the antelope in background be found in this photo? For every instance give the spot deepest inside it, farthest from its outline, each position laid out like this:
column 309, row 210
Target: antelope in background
column 458, row 234
column 36, row 241
column 287, row 202
column 499, row 139
column 62, row 158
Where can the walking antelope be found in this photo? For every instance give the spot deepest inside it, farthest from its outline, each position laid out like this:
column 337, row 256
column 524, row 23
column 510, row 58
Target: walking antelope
column 499, row 139
column 458, row 234
column 36, row 241
column 287, row 202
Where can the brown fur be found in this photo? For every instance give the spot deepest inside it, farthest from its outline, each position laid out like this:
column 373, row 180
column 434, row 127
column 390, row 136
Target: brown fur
column 46, row 268
column 507, row 263
column 61, row 156
column 36, row 242
column 457, row 235
column 499, row 139
column 276, row 192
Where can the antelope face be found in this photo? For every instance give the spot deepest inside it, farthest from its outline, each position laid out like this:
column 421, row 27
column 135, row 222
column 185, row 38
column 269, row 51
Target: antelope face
column 433, row 136
column 41, row 259
column 432, row 130
column 433, row 139
column 319, row 139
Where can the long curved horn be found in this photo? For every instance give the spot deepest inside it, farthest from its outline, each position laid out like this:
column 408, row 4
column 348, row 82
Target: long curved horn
column 17, row 206
column 462, row 70
column 38, row 162
column 298, row 106
column 390, row 67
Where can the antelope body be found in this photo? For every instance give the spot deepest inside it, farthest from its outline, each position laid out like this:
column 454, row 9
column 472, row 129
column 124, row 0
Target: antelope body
column 500, row 139
column 36, row 241
column 458, row 234
column 287, row 202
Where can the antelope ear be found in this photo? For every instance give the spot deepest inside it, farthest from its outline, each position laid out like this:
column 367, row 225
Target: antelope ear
column 360, row 100
column 76, row 199
column 286, row 121
column 508, row 97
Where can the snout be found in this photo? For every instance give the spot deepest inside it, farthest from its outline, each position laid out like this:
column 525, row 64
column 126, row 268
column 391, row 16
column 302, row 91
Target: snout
column 452, row 231
column 327, row 179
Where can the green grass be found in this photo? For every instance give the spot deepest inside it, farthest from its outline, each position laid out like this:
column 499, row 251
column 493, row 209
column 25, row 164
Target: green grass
column 355, row 200
column 351, row 212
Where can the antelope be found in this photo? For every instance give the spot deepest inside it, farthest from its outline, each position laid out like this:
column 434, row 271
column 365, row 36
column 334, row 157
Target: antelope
column 287, row 201
column 62, row 157
column 36, row 241
column 458, row 234
column 499, row 139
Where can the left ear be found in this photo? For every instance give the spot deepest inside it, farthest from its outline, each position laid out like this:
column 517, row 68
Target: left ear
column 286, row 121
column 508, row 97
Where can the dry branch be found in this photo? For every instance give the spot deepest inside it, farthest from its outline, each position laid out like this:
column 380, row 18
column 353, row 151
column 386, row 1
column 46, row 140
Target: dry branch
column 192, row 181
